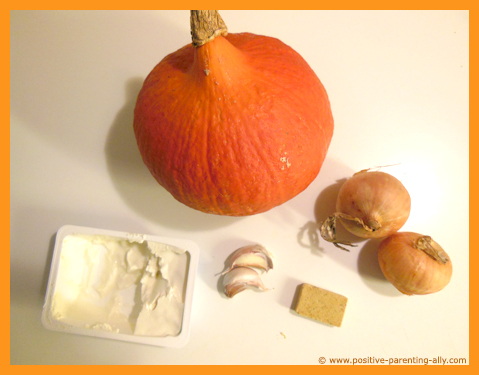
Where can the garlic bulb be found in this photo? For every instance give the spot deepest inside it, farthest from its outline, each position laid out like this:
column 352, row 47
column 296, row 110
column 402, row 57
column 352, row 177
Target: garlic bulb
column 241, row 278
column 255, row 256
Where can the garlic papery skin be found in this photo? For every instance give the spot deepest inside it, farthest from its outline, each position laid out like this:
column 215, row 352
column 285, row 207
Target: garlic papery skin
column 255, row 256
column 241, row 278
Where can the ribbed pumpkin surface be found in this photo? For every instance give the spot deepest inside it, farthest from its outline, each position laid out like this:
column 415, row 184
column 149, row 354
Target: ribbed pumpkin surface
column 235, row 127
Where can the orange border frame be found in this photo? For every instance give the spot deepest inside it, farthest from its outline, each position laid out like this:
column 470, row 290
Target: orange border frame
column 5, row 138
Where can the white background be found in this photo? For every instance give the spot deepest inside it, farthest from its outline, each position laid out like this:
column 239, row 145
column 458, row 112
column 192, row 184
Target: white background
column 398, row 82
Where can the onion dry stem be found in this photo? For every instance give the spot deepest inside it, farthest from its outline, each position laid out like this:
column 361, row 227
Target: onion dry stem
column 426, row 244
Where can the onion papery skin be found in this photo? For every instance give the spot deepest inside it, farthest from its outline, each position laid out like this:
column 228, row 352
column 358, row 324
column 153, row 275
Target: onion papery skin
column 375, row 198
column 411, row 270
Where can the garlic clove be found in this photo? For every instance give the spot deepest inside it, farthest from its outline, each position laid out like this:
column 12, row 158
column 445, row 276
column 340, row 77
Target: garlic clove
column 255, row 256
column 241, row 278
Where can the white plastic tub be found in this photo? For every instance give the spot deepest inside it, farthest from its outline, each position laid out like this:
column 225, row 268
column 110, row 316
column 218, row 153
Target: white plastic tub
column 102, row 284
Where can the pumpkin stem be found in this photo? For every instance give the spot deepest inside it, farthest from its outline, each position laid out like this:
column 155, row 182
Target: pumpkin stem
column 206, row 25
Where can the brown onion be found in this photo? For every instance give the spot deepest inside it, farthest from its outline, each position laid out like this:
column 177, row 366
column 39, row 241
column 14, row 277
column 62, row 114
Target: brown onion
column 369, row 205
column 414, row 264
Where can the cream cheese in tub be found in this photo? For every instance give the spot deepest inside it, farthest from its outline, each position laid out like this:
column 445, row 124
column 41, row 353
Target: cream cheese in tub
column 122, row 286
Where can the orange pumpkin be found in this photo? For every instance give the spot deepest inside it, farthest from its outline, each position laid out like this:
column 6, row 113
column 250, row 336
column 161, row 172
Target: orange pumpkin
column 233, row 124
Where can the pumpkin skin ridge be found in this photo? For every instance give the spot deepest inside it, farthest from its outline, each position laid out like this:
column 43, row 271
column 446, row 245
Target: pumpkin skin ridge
column 294, row 55
column 256, row 149
column 174, row 175
column 215, row 73
column 284, row 155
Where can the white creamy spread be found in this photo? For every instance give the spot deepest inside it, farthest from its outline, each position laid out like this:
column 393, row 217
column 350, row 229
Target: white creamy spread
column 119, row 285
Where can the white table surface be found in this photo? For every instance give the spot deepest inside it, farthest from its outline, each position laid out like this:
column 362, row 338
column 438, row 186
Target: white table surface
column 398, row 83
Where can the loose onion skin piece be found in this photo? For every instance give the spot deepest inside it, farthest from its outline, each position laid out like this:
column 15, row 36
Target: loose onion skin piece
column 373, row 204
column 414, row 263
